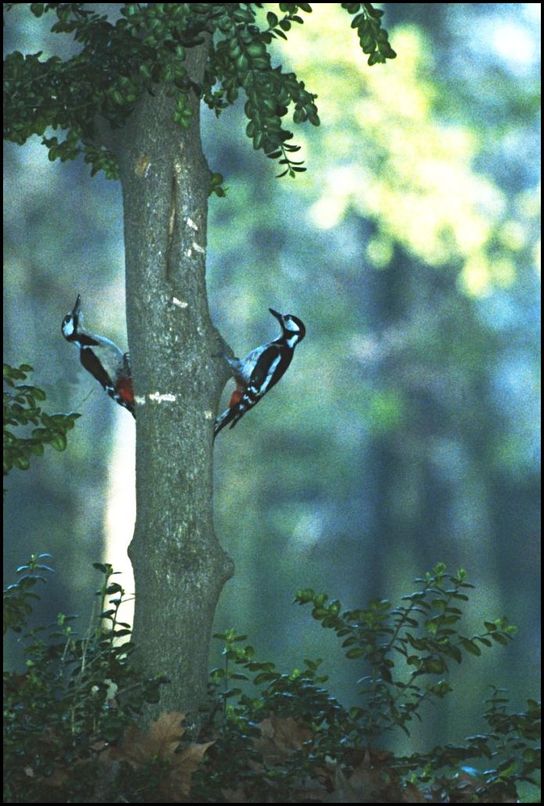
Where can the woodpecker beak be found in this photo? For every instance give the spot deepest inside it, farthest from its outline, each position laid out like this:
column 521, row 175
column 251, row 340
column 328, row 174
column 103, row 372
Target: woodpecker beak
column 76, row 315
column 77, row 306
column 279, row 316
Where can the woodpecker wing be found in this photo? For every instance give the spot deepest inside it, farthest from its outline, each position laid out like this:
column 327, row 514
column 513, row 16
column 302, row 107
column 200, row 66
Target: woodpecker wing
column 243, row 368
column 85, row 340
column 94, row 366
column 270, row 366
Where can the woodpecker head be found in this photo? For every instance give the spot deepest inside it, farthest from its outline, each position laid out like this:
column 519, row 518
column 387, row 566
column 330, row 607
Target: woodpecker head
column 293, row 329
column 72, row 321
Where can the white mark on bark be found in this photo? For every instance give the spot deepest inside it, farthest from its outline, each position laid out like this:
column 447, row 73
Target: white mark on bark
column 140, row 401
column 172, row 218
column 191, row 223
column 179, row 302
column 198, row 248
column 162, row 398
column 208, row 415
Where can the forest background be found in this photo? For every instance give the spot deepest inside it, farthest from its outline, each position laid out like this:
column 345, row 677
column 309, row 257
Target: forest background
column 407, row 430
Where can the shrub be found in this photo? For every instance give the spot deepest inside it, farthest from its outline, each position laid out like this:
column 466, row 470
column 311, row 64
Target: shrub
column 72, row 732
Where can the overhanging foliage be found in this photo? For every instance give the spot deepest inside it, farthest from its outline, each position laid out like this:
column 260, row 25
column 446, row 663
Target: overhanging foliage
column 146, row 47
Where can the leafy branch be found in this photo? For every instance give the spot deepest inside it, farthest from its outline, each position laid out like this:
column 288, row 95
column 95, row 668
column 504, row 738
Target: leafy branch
column 374, row 39
column 21, row 408
column 146, row 47
column 421, row 632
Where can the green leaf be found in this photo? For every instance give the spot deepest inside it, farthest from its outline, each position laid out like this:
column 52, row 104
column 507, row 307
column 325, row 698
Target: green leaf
column 455, row 653
column 356, row 652
column 470, row 646
column 483, row 640
column 500, row 638
column 58, row 442
column 21, row 462
column 105, row 569
column 265, row 677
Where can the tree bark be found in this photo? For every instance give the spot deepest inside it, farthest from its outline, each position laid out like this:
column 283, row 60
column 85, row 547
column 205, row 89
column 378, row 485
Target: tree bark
column 179, row 566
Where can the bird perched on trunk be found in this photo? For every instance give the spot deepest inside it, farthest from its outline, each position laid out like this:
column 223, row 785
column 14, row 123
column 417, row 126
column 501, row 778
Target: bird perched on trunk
column 260, row 370
column 101, row 357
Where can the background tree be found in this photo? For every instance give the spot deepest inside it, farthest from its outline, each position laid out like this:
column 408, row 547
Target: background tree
column 129, row 100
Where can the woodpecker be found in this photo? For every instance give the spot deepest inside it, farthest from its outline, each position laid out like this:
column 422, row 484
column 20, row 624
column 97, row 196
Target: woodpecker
column 101, row 357
column 260, row 370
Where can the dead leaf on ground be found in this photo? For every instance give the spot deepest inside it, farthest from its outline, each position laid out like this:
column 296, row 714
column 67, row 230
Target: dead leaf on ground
column 177, row 783
column 281, row 736
column 372, row 781
column 160, row 741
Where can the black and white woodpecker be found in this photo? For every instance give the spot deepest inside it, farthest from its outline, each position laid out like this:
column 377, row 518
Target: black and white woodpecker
column 101, row 357
column 261, row 369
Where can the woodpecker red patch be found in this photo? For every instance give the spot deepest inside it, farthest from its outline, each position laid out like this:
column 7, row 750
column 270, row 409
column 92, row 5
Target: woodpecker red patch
column 236, row 397
column 124, row 390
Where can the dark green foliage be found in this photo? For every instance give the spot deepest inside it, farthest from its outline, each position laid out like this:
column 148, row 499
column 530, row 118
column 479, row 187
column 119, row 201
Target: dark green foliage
column 216, row 185
column 240, row 60
column 75, row 696
column 147, row 47
column 510, row 752
column 404, row 652
column 70, row 732
column 422, row 632
column 373, row 38
column 17, row 597
column 21, row 408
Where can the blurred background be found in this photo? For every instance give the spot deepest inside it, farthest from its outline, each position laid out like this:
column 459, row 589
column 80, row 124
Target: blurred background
column 406, row 431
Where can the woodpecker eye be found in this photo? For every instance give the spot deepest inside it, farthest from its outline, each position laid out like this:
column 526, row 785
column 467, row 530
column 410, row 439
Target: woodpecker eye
column 291, row 324
column 68, row 326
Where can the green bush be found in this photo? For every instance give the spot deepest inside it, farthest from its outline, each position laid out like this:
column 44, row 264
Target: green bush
column 75, row 697
column 71, row 732
column 21, row 408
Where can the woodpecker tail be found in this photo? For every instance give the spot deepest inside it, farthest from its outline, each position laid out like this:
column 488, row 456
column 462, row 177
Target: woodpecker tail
column 228, row 416
column 235, row 411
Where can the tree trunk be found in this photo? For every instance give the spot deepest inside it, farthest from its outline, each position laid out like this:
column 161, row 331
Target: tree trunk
column 179, row 566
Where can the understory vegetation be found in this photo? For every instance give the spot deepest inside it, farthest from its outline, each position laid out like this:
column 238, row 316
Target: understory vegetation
column 73, row 726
